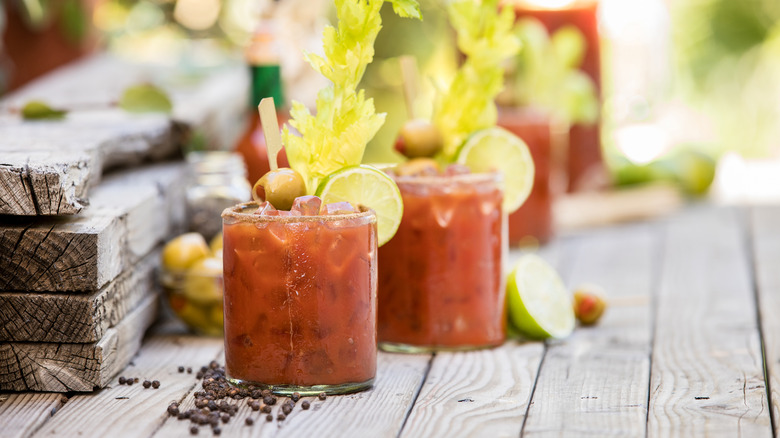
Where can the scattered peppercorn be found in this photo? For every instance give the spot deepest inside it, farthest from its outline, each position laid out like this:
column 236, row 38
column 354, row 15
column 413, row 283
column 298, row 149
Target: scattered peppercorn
column 135, row 380
column 212, row 405
column 267, row 409
column 194, row 430
column 155, row 384
column 249, row 421
column 130, row 382
column 122, row 380
column 305, row 405
column 286, row 409
column 173, row 409
column 269, row 400
column 189, row 370
column 225, row 418
column 255, row 406
column 321, row 396
column 281, row 417
column 269, row 417
column 217, row 431
column 181, row 369
column 147, row 384
column 296, row 396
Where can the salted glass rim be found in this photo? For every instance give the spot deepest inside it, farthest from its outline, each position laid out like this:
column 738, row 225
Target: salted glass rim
column 472, row 178
column 235, row 212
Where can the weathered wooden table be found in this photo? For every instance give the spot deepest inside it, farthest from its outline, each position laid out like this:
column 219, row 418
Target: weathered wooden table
column 689, row 347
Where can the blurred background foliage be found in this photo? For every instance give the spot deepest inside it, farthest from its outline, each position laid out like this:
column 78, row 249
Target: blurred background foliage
column 724, row 66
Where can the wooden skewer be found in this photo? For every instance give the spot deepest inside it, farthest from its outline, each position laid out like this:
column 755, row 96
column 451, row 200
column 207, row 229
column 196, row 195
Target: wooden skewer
column 273, row 139
column 409, row 77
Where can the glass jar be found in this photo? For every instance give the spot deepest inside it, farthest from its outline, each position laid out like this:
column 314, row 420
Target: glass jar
column 441, row 285
column 217, row 181
column 300, row 301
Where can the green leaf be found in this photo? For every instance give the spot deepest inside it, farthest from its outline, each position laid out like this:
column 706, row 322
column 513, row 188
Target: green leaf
column 568, row 44
column 39, row 110
column 487, row 38
column 75, row 20
column 345, row 121
column 145, row 98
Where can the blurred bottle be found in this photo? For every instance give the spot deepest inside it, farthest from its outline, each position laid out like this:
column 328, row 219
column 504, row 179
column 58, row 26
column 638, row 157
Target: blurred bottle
column 262, row 57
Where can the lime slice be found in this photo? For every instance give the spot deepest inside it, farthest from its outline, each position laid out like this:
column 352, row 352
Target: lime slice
column 539, row 304
column 368, row 186
column 496, row 149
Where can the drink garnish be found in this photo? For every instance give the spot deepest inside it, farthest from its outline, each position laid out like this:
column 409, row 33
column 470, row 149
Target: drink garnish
column 486, row 36
column 337, row 135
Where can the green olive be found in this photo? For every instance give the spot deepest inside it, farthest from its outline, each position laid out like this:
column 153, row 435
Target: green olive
column 419, row 138
column 280, row 187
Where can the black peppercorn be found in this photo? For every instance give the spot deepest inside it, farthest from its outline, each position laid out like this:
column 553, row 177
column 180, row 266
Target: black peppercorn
column 122, row 380
column 296, row 396
column 286, row 409
column 147, row 384
column 269, row 417
column 155, row 384
column 249, row 421
column 129, row 382
column 194, row 430
column 181, row 369
column 225, row 418
column 321, row 396
column 189, row 370
column 267, row 409
column 281, row 417
column 305, row 404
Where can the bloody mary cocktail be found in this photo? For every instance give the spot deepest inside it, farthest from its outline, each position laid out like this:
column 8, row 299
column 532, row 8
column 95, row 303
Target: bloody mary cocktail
column 440, row 281
column 300, row 300
column 533, row 221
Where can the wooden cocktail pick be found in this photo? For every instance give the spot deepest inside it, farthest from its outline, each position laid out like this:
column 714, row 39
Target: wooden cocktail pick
column 273, row 139
column 409, row 78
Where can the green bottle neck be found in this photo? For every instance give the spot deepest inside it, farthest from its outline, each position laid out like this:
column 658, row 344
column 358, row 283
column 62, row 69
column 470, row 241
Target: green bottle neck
column 266, row 82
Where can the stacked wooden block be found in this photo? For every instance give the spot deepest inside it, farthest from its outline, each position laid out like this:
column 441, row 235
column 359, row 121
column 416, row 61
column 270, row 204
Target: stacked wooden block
column 85, row 204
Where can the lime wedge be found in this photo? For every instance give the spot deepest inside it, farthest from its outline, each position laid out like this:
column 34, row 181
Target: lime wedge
column 539, row 304
column 370, row 187
column 496, row 149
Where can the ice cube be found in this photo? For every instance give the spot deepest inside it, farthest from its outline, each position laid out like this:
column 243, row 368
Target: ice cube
column 266, row 209
column 307, row 205
column 338, row 208
column 457, row 169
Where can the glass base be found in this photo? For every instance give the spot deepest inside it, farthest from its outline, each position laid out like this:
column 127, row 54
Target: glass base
column 288, row 390
column 393, row 347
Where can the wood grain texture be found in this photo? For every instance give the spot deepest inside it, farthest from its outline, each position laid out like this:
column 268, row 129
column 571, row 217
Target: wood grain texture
column 765, row 236
column 132, row 212
column 707, row 374
column 48, row 167
column 378, row 412
column 22, row 414
column 76, row 318
column 75, row 367
column 477, row 393
column 132, row 411
column 594, row 383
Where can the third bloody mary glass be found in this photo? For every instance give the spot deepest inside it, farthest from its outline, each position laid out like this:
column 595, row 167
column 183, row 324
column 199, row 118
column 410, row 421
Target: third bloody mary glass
column 300, row 300
column 440, row 282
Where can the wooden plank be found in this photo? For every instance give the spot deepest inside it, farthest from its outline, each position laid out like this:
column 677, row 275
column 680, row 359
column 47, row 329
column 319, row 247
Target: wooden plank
column 48, row 167
column 378, row 412
column 71, row 318
column 132, row 212
column 706, row 376
column 595, row 382
column 75, row 367
column 765, row 227
column 121, row 410
column 22, row 414
column 477, row 393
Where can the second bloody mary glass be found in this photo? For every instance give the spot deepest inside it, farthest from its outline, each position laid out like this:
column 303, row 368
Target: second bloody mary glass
column 440, row 281
column 300, row 300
